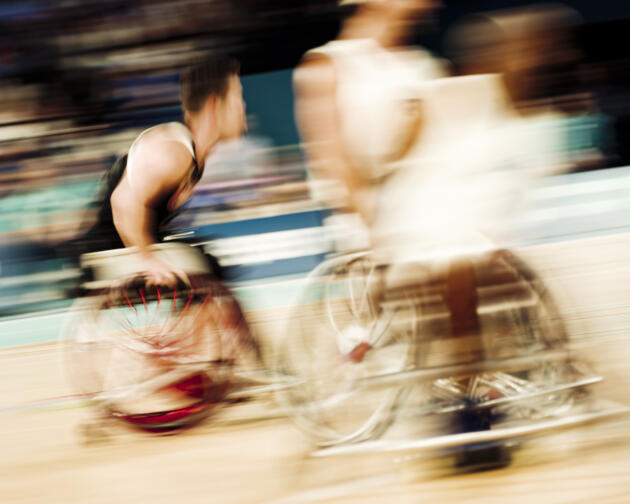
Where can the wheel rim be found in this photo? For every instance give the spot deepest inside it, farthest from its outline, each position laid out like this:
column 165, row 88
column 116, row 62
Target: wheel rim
column 327, row 404
column 137, row 357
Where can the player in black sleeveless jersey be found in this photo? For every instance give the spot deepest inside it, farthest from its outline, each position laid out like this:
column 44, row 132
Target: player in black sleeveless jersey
column 145, row 187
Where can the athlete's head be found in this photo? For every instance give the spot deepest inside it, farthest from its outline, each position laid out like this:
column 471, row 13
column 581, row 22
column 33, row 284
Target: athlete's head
column 211, row 93
column 399, row 17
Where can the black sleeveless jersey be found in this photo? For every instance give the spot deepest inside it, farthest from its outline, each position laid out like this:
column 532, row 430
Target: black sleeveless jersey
column 103, row 234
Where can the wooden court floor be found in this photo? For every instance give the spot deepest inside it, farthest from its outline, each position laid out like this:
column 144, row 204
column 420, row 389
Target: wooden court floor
column 251, row 453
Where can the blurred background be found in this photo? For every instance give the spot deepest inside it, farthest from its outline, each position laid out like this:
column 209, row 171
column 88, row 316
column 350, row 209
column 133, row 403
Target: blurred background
column 81, row 78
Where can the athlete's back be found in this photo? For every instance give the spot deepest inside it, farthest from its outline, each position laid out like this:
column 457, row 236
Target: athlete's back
column 450, row 193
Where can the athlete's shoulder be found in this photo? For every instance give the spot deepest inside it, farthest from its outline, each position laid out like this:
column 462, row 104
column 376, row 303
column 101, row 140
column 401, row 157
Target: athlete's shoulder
column 341, row 47
column 315, row 74
column 319, row 68
column 164, row 135
column 166, row 145
column 171, row 131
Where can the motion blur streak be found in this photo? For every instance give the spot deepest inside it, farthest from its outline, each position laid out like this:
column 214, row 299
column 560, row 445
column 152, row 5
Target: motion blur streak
column 522, row 137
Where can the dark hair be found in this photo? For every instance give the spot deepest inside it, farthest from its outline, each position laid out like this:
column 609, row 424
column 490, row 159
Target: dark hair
column 348, row 10
column 205, row 77
column 474, row 43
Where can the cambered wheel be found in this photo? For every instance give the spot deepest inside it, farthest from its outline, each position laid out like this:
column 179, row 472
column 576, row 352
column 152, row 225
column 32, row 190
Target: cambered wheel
column 345, row 328
column 518, row 318
column 159, row 359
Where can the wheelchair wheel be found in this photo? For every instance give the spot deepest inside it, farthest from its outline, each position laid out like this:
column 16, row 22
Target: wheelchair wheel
column 518, row 319
column 345, row 328
column 157, row 358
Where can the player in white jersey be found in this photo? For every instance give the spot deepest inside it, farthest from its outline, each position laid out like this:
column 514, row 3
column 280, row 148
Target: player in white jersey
column 407, row 147
column 359, row 101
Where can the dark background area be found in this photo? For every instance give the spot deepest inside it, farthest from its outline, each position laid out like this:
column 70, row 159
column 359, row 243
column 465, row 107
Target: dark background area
column 79, row 79
column 268, row 35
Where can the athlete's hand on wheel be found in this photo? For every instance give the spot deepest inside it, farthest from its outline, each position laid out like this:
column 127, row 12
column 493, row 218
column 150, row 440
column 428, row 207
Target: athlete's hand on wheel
column 160, row 272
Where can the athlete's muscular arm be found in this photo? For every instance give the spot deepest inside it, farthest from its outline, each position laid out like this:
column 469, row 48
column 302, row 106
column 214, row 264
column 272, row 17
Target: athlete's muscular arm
column 318, row 121
column 158, row 170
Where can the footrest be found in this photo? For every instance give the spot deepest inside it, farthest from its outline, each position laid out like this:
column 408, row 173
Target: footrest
column 502, row 401
column 462, row 370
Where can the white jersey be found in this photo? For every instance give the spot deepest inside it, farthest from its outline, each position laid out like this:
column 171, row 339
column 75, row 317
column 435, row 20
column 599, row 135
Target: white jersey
column 454, row 189
column 454, row 193
column 378, row 98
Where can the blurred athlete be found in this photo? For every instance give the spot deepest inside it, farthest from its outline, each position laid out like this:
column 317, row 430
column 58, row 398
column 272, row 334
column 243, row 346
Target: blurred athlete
column 530, row 51
column 410, row 151
column 359, row 98
column 146, row 186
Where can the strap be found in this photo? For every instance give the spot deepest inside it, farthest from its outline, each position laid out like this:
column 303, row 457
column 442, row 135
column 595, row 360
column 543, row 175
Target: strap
column 197, row 171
